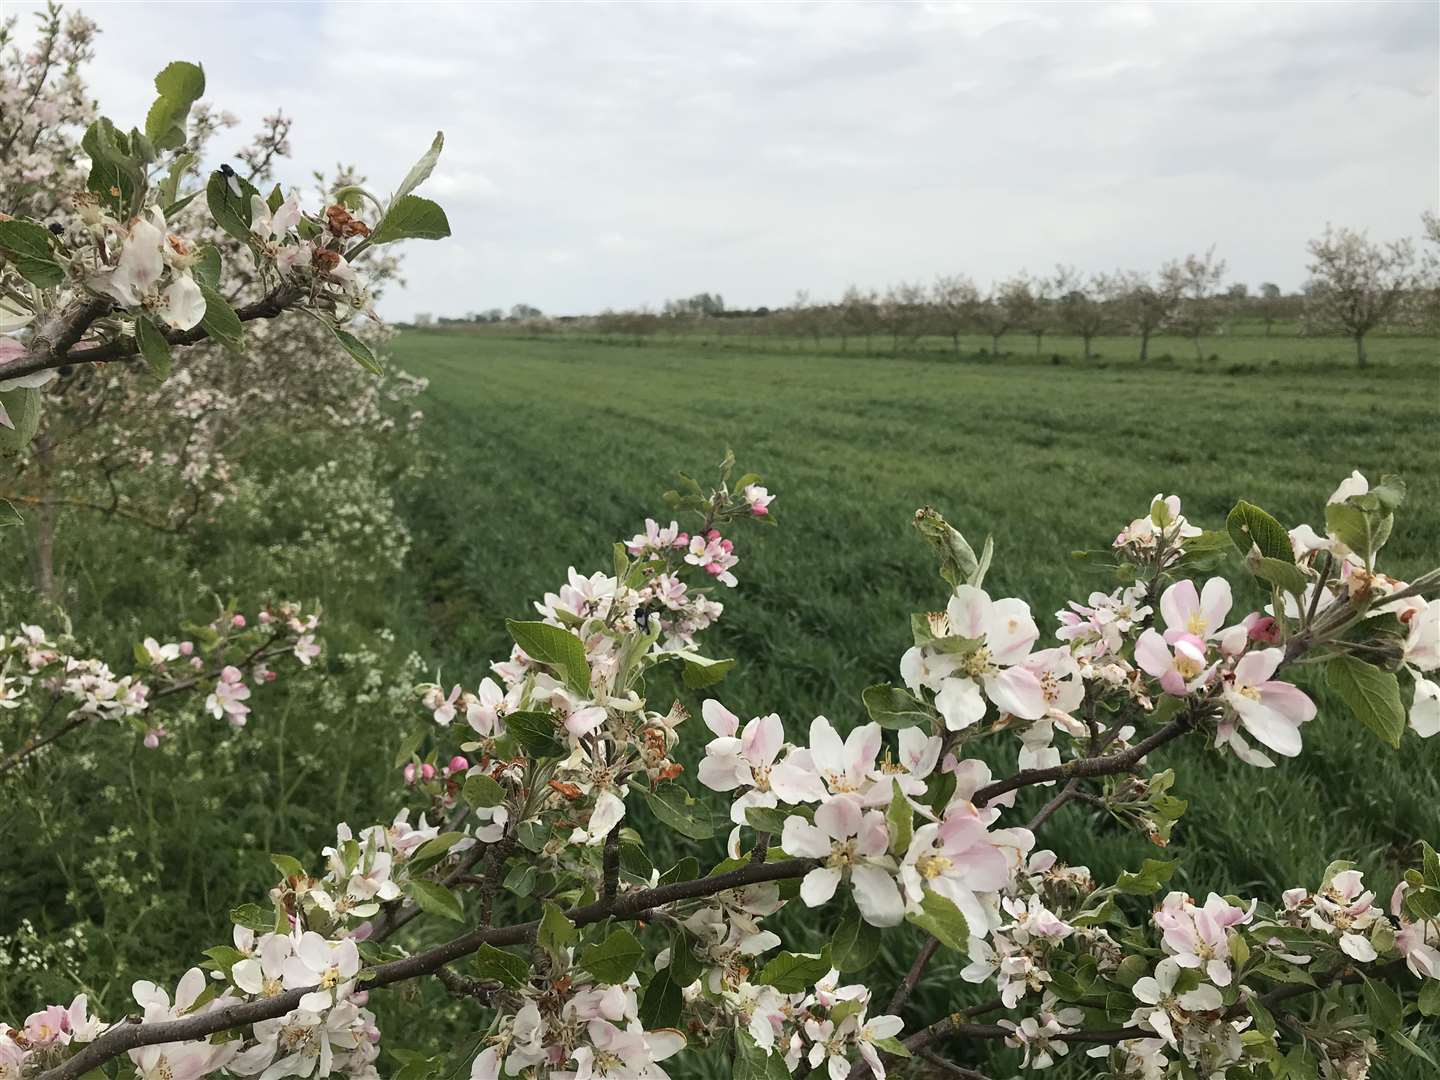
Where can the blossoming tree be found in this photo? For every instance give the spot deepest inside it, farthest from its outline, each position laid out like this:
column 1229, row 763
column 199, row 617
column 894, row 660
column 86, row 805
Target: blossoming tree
column 167, row 449
column 514, row 876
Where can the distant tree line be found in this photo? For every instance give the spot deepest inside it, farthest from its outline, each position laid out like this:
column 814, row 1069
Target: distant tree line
column 1355, row 286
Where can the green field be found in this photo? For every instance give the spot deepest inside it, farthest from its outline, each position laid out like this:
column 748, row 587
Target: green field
column 538, row 454
column 551, row 449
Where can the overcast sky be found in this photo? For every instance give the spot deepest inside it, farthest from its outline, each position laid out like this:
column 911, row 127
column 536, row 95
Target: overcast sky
column 615, row 155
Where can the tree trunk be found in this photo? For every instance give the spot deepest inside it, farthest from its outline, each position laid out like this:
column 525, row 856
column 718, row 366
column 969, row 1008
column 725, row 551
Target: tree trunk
column 1268, row 324
column 1197, row 348
column 45, row 552
column 994, row 344
column 1087, row 338
column 1039, row 336
column 955, row 337
column 1144, row 345
column 1361, row 360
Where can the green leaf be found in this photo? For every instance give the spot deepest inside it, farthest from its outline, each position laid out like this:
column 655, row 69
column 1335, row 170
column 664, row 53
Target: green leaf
column 432, row 852
column 899, row 820
column 1386, row 1009
column 224, row 957
column 684, row 966
column 958, row 564
column 1285, row 575
column 687, row 869
column 765, row 819
column 288, row 866
column 556, row 648
column 170, row 202
column 114, row 174
column 180, row 86
column 411, row 218
column 153, row 347
column 1429, row 1000
column 252, row 917
column 892, row 1045
column 19, row 418
column 855, row 943
column 27, row 245
column 700, row 671
column 1153, row 874
column 556, row 933
column 753, row 1063
column 500, row 966
column 1371, row 694
column 522, row 879
column 614, row 959
column 421, row 170
column 207, row 266
column 943, row 920
column 671, row 806
column 363, row 354
column 408, row 747
column 893, row 708
column 482, row 791
column 436, row 899
column 220, row 321
column 1390, row 492
column 1249, row 525
column 230, row 211
column 1363, row 531
column 793, row 973
column 535, row 732
column 662, row 1002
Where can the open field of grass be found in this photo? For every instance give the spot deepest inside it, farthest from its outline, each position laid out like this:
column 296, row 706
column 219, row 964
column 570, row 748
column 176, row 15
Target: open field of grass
column 551, row 449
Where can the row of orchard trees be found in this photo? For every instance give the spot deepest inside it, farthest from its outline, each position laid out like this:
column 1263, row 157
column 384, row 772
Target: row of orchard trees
column 1356, row 286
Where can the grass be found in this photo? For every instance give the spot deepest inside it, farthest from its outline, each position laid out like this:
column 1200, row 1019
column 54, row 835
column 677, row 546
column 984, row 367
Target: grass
column 553, row 448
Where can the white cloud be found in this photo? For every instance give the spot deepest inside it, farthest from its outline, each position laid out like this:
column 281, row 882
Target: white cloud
column 618, row 154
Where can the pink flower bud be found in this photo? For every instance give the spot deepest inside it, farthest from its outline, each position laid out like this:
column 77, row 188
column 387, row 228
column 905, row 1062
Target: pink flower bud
column 713, row 534
column 458, row 764
column 427, row 771
column 683, row 540
column 264, row 618
column 196, row 663
column 186, row 648
column 152, row 740
column 759, row 511
column 726, row 546
column 1264, row 629
column 270, row 676
column 714, row 569
column 410, row 773
column 238, row 621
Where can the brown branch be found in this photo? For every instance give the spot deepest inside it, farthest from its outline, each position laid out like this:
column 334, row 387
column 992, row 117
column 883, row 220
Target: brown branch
column 113, row 510
column 79, row 719
column 130, row 1034
column 1068, row 792
column 612, row 864
column 1104, row 765
column 59, row 351
column 907, row 985
column 947, row 1066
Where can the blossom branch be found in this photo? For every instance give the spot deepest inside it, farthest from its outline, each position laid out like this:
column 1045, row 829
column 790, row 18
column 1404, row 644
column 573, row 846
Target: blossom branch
column 131, row 1034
